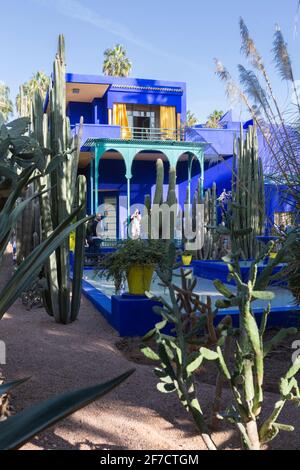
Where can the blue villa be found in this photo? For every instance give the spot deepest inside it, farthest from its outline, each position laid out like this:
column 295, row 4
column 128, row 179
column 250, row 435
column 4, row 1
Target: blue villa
column 128, row 124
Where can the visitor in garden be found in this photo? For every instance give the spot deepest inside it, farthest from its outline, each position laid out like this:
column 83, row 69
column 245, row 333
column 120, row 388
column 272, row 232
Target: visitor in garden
column 135, row 220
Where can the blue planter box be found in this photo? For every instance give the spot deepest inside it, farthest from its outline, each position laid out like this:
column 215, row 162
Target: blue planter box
column 219, row 270
column 130, row 315
column 133, row 315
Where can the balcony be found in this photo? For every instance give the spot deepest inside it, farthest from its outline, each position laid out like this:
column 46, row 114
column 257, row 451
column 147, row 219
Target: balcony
column 102, row 131
column 153, row 134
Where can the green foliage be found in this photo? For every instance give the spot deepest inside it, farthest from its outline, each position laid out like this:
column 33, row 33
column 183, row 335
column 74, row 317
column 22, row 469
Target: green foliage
column 116, row 265
column 292, row 271
column 19, row 151
column 247, row 378
column 195, row 339
column 191, row 119
column 116, row 62
column 6, row 105
column 192, row 341
column 20, row 158
column 213, row 121
column 20, row 428
column 39, row 83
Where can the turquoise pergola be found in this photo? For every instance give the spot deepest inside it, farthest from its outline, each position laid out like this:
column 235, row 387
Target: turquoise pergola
column 129, row 149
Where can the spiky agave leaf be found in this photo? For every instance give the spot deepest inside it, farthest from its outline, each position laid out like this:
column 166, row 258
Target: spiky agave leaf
column 19, row 429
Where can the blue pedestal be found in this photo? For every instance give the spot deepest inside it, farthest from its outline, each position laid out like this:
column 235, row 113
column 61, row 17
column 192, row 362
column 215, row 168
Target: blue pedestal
column 133, row 314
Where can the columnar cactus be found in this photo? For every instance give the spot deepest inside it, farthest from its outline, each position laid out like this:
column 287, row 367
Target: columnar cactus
column 248, row 195
column 66, row 191
column 209, row 202
column 158, row 199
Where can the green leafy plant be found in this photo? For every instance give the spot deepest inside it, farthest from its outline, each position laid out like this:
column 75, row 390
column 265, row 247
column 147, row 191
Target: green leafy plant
column 131, row 253
column 6, row 105
column 38, row 83
column 116, row 63
column 214, row 118
column 16, row 430
column 193, row 339
column 193, row 326
column 247, row 377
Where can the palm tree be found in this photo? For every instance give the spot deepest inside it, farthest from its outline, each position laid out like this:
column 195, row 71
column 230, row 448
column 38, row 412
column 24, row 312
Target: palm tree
column 191, row 119
column 6, row 105
column 39, row 82
column 116, row 62
column 214, row 119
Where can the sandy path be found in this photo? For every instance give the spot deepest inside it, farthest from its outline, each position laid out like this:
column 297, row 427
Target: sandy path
column 134, row 416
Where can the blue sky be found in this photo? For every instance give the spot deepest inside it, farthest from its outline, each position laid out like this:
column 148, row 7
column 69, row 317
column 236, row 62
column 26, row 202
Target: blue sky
column 165, row 39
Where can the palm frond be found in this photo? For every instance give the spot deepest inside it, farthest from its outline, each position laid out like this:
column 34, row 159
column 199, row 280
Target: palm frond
column 281, row 56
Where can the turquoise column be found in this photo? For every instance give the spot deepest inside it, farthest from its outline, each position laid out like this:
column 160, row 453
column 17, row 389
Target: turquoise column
column 96, row 179
column 128, row 201
column 128, row 155
column 202, row 174
column 190, row 166
column 92, row 171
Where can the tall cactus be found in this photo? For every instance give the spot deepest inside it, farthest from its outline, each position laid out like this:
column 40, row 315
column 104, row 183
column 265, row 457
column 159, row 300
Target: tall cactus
column 158, row 198
column 66, row 191
column 209, row 202
column 248, row 192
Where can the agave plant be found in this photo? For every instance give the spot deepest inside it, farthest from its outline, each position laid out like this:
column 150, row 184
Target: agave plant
column 20, row 158
column 16, row 430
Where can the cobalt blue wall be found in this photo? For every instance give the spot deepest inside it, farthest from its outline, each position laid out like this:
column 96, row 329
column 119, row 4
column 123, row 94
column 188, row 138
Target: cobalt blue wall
column 139, row 91
column 76, row 110
column 100, row 110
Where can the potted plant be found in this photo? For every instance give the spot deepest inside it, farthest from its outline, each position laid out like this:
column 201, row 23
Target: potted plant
column 134, row 261
column 186, row 258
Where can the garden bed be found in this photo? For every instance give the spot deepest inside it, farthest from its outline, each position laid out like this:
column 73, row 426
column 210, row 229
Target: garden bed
column 134, row 416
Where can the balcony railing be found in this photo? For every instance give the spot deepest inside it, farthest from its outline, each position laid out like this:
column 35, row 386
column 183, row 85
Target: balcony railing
column 105, row 131
column 141, row 133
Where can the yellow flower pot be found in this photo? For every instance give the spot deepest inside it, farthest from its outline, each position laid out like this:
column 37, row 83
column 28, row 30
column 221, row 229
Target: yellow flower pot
column 72, row 238
column 186, row 259
column 139, row 279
